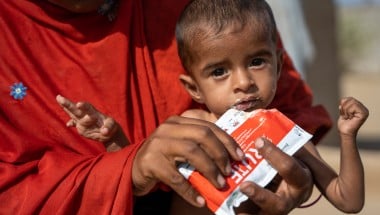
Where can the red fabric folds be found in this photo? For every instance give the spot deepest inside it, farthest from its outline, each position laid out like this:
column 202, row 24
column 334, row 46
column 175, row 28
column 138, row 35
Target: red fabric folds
column 294, row 99
column 128, row 69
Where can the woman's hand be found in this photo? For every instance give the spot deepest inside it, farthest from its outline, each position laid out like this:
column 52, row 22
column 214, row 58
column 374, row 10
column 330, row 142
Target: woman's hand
column 198, row 142
column 294, row 189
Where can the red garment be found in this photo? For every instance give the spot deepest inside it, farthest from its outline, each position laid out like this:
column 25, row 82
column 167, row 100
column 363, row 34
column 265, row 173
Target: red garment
column 128, row 69
column 295, row 100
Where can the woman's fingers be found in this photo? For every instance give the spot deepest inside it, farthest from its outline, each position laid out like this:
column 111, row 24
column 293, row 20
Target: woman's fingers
column 287, row 166
column 200, row 143
column 293, row 189
column 214, row 141
column 68, row 106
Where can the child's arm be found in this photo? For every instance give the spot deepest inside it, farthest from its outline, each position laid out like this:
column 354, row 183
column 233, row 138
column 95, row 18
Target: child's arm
column 346, row 190
column 94, row 125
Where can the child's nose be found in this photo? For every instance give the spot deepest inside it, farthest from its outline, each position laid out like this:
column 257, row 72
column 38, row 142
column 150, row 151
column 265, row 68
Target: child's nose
column 243, row 81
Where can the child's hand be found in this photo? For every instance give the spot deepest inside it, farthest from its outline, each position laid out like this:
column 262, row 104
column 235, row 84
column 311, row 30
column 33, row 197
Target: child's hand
column 352, row 116
column 88, row 121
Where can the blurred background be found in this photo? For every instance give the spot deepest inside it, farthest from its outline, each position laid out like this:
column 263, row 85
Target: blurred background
column 336, row 46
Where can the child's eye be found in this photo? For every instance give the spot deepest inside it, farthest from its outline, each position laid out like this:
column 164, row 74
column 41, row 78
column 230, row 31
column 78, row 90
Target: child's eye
column 257, row 62
column 219, row 72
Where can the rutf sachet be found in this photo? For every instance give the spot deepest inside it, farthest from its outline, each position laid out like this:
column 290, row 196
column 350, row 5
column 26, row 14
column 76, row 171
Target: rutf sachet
column 245, row 128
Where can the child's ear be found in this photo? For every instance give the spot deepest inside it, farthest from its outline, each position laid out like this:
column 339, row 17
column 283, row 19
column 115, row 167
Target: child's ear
column 280, row 61
column 191, row 87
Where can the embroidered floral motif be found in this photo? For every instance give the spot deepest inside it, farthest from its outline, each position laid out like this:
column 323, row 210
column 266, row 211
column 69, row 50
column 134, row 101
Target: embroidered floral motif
column 18, row 91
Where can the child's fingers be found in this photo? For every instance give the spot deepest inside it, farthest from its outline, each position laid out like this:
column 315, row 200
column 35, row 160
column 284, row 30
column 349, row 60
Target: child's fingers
column 88, row 121
column 350, row 107
column 87, row 108
column 93, row 117
column 345, row 99
column 69, row 107
column 71, row 123
column 109, row 127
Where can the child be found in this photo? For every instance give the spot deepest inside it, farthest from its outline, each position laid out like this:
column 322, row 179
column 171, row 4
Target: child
column 228, row 48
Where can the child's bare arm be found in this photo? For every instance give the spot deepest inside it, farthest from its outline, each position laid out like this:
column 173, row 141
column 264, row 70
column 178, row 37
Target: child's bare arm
column 352, row 116
column 346, row 190
column 92, row 124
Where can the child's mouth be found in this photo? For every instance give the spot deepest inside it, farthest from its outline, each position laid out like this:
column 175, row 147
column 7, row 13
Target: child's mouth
column 247, row 105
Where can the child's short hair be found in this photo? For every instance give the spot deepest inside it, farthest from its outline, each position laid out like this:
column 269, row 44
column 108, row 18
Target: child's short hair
column 201, row 16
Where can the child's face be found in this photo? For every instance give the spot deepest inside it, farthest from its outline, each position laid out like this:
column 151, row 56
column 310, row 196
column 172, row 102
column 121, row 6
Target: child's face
column 236, row 69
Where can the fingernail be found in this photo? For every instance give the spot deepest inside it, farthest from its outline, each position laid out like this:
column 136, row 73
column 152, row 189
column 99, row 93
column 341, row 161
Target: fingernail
column 240, row 153
column 58, row 98
column 104, row 130
column 200, row 200
column 221, row 180
column 249, row 191
column 259, row 143
column 228, row 169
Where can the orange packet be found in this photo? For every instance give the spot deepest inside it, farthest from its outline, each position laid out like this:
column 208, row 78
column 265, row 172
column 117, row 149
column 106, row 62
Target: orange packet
column 245, row 128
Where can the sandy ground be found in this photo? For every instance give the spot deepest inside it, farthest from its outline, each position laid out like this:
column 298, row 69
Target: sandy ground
column 371, row 162
column 366, row 87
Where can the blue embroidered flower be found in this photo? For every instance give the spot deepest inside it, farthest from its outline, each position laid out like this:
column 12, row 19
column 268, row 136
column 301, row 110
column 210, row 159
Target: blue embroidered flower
column 18, row 91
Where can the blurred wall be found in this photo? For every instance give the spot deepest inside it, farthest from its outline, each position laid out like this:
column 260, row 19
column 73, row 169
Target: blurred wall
column 323, row 73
